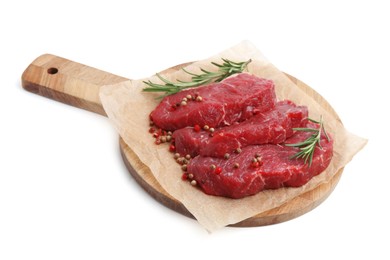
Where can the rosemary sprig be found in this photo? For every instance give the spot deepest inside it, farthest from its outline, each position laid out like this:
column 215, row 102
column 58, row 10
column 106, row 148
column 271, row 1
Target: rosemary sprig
column 308, row 146
column 226, row 69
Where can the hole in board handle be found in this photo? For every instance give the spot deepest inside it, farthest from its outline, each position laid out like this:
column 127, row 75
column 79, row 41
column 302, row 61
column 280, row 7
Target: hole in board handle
column 52, row 70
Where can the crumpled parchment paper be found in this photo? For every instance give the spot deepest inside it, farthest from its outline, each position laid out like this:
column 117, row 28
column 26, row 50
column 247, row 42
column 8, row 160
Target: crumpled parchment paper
column 128, row 109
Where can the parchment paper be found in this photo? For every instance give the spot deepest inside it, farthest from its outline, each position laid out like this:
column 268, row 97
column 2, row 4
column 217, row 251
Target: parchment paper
column 128, row 108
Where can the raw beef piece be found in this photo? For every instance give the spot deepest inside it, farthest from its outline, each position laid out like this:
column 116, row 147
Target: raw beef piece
column 273, row 127
column 189, row 141
column 239, row 176
column 234, row 99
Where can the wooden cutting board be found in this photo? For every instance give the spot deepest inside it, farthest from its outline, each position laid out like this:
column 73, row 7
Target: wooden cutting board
column 78, row 85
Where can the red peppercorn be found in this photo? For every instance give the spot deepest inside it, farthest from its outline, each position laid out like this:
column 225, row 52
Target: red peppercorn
column 172, row 148
column 184, row 176
column 151, row 130
column 255, row 164
column 218, row 170
column 197, row 128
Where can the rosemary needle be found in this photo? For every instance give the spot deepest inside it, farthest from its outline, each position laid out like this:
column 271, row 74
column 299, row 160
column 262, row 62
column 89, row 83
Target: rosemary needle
column 226, row 69
column 307, row 147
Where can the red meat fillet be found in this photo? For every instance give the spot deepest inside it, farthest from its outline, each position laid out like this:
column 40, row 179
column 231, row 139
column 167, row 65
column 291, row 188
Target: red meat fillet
column 239, row 176
column 235, row 99
column 273, row 127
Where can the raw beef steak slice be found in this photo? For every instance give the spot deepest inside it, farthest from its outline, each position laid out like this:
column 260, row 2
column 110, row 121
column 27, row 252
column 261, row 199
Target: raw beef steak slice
column 235, row 99
column 239, row 176
column 273, row 127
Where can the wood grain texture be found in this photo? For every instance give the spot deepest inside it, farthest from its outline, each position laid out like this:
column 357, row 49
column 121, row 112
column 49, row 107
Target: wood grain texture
column 78, row 85
column 69, row 82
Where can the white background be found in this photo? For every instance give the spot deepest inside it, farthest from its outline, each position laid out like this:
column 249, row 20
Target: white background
column 64, row 190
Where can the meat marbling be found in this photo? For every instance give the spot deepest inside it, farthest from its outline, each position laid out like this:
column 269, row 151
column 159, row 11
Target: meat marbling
column 273, row 126
column 244, row 111
column 238, row 176
column 235, row 99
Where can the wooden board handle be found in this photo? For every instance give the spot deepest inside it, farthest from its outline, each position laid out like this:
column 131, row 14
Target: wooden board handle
column 66, row 81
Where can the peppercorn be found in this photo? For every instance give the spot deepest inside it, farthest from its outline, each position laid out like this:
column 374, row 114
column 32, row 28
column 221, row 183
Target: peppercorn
column 193, row 183
column 197, row 128
column 255, row 164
